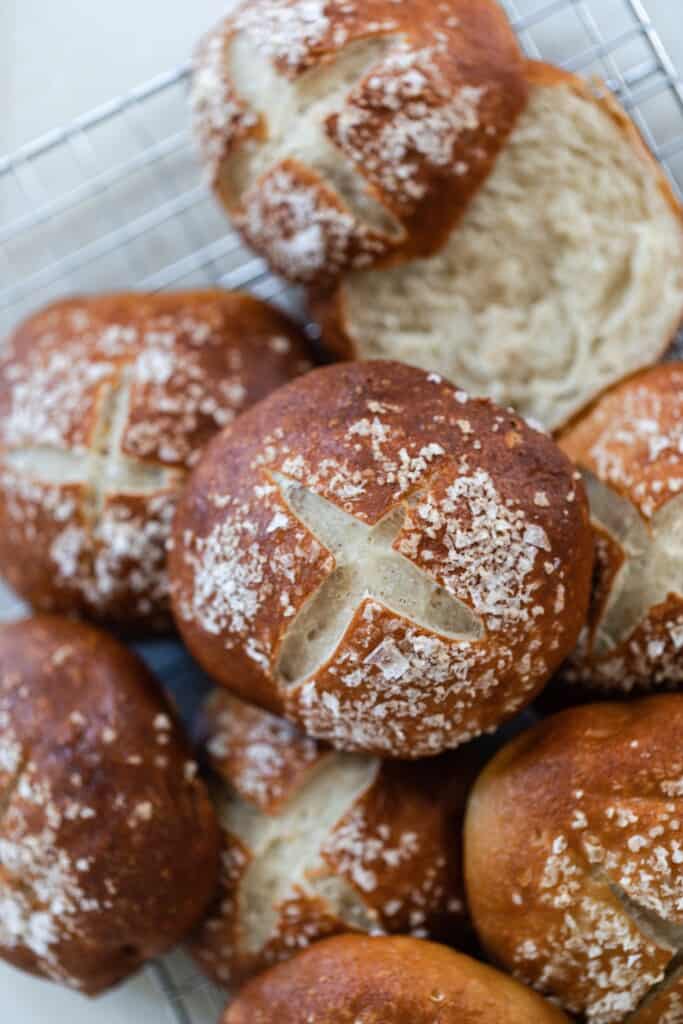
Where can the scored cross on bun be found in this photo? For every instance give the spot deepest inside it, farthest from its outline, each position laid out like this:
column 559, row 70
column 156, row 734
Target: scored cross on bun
column 357, row 980
column 574, row 860
column 392, row 565
column 317, row 842
column 336, row 132
column 105, row 404
column 629, row 448
column 564, row 275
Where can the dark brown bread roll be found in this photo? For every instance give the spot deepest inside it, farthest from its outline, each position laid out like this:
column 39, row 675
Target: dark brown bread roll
column 574, row 860
column 392, row 565
column 105, row 403
column 108, row 843
column 317, row 842
column 629, row 448
column 358, row 980
column 337, row 132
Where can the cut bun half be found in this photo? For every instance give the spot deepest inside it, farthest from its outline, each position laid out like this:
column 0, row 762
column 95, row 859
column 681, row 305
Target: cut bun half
column 564, row 276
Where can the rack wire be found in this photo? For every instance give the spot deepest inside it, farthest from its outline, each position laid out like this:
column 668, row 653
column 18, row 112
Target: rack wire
column 115, row 200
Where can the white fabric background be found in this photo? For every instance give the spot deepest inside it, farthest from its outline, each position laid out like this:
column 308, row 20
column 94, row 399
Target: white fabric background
column 59, row 58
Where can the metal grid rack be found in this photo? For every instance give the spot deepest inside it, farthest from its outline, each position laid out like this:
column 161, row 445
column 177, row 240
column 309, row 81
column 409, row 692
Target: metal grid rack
column 115, row 200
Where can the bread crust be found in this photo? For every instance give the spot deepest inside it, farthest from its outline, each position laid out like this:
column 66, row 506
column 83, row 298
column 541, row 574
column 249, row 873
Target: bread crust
column 374, row 440
column 329, row 305
column 421, row 128
column 396, row 845
column 628, row 441
column 572, row 864
column 387, row 981
column 109, row 842
column 85, row 539
column 262, row 758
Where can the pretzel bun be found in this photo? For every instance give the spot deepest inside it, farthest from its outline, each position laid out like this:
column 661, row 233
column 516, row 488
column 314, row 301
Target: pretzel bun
column 573, row 859
column 391, row 565
column 629, row 448
column 108, row 843
column 357, row 980
column 336, row 132
column 564, row 276
column 316, row 843
column 105, row 403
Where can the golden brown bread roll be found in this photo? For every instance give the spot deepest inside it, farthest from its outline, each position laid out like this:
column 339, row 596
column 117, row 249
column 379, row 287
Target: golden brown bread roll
column 316, row 843
column 108, row 842
column 629, row 448
column 357, row 980
column 574, row 860
column 339, row 131
column 395, row 567
column 105, row 404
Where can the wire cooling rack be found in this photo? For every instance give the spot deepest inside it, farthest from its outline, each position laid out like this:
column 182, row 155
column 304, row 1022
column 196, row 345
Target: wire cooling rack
column 115, row 200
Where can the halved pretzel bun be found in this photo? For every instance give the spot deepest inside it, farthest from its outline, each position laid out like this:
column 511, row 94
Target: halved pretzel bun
column 564, row 275
column 336, row 132
column 316, row 843
column 629, row 448
column 574, row 860
column 392, row 565
column 105, row 404
column 357, row 980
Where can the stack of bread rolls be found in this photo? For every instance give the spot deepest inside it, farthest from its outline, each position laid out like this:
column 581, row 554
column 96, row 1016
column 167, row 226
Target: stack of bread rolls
column 377, row 565
column 109, row 845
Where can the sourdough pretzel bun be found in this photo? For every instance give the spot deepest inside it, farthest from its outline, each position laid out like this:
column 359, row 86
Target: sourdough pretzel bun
column 629, row 448
column 108, row 843
column 336, row 132
column 564, row 276
column 574, row 859
column 357, row 980
column 105, row 403
column 316, row 843
column 395, row 567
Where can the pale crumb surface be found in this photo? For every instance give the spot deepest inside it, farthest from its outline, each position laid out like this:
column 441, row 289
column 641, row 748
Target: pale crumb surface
column 565, row 274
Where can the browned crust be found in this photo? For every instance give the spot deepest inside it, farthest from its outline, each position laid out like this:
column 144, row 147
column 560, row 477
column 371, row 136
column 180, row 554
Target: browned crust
column 387, row 981
column 644, row 467
column 436, row 443
column 197, row 359
column 262, row 758
column 665, row 1005
column 584, row 804
column 403, row 839
column 303, row 920
column 397, row 847
column 266, row 215
column 102, row 809
column 648, row 659
column 328, row 306
column 470, row 45
column 328, row 309
column 635, row 472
